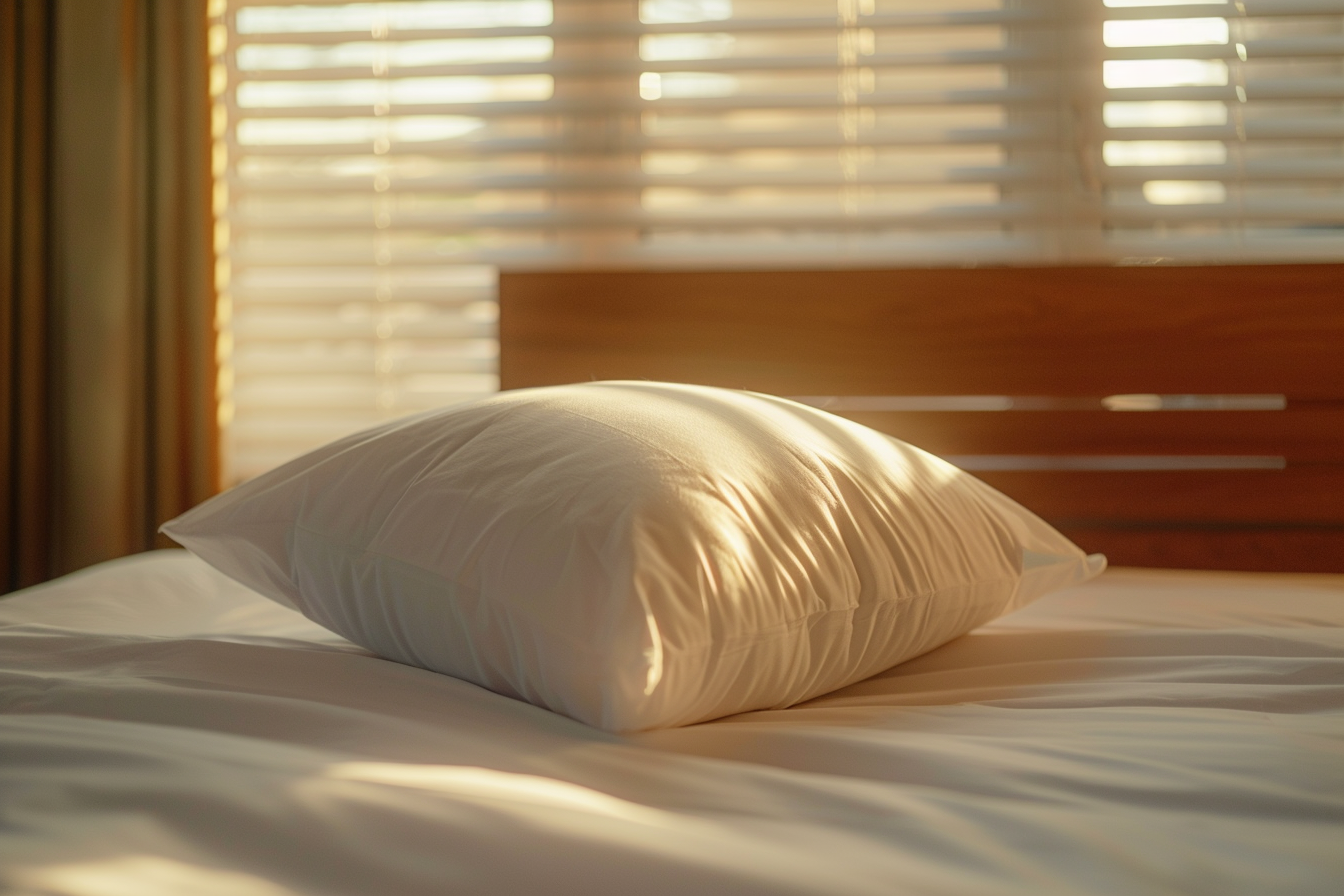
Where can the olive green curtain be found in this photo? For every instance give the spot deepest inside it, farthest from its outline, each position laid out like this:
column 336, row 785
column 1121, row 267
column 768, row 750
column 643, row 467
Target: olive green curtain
column 105, row 236
column 25, row 82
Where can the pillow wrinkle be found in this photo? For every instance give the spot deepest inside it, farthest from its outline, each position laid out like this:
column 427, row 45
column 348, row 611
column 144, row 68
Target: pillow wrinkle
column 442, row 455
column 512, row 609
column 743, row 422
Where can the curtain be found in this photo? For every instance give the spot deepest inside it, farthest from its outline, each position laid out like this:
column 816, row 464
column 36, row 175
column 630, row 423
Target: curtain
column 108, row 329
column 25, row 472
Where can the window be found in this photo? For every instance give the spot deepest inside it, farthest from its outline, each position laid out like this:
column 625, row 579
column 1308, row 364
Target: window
column 378, row 161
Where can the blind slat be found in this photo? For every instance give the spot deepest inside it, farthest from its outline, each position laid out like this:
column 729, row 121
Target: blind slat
column 599, row 183
column 597, row 28
column 1276, row 129
column 799, row 138
column 621, row 69
column 636, row 106
column 1300, row 170
column 1303, row 209
column 1079, row 14
column 1255, row 89
column 1305, row 47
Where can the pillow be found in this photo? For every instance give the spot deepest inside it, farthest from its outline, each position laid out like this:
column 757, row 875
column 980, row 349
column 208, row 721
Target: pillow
column 634, row 555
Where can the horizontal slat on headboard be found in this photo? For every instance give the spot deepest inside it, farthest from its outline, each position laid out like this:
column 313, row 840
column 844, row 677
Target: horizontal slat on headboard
column 1300, row 434
column 1006, row 331
column 1069, row 333
column 1307, row 496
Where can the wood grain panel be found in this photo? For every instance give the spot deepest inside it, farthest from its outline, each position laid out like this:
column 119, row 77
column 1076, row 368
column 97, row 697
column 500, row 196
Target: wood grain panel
column 1069, row 332
column 1005, row 331
column 1301, row 495
column 1301, row 436
column 1257, row 550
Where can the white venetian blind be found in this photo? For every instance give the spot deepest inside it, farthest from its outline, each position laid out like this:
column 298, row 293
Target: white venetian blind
column 379, row 161
column 376, row 161
column 1222, row 128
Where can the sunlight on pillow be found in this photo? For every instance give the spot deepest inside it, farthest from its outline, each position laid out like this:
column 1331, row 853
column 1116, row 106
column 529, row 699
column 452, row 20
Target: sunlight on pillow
column 635, row 555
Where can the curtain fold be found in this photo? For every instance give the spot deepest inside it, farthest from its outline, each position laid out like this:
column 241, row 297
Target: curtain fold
column 109, row 342
column 25, row 444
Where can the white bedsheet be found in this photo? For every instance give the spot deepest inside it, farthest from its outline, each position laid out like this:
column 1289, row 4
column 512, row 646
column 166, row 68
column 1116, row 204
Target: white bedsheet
column 168, row 732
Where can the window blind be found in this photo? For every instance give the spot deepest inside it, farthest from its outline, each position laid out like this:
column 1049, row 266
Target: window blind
column 1221, row 131
column 378, row 161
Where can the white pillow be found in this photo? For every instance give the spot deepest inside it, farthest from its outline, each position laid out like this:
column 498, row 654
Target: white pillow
column 634, row 555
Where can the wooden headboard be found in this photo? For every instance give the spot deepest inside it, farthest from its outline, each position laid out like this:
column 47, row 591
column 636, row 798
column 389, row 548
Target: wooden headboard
column 1165, row 416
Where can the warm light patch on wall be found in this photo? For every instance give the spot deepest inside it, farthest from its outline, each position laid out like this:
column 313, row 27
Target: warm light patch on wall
column 1164, row 32
column 1184, row 192
column 696, row 85
column 1164, row 73
column 1126, row 4
column 668, row 12
column 668, row 47
column 1163, row 114
column 1164, row 152
column 650, row 86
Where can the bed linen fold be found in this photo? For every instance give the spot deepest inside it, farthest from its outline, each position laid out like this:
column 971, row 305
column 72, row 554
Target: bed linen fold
column 167, row 731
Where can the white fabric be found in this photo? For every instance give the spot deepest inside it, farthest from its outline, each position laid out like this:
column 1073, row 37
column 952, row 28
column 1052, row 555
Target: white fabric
column 635, row 555
column 168, row 732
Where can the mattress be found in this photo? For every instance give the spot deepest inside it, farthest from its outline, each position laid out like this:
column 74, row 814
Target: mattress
column 166, row 731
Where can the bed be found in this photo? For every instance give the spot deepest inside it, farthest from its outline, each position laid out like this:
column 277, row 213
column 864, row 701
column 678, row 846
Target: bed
column 167, row 730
